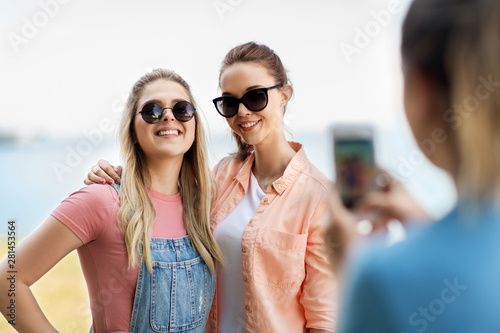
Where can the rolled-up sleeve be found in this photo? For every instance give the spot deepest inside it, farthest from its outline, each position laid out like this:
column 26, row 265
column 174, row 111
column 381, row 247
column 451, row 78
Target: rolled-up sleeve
column 319, row 296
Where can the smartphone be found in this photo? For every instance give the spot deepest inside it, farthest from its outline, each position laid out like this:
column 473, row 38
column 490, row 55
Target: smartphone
column 354, row 157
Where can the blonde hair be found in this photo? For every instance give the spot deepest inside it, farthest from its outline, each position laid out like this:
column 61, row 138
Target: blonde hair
column 478, row 136
column 197, row 187
column 456, row 43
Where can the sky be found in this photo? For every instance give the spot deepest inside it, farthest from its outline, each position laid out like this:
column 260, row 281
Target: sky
column 67, row 66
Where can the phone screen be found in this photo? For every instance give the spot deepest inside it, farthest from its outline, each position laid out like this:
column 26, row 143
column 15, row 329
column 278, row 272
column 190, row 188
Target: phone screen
column 355, row 168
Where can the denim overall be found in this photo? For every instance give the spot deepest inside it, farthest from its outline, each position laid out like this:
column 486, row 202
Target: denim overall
column 177, row 295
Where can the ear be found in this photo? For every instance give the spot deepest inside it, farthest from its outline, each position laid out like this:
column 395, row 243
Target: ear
column 286, row 94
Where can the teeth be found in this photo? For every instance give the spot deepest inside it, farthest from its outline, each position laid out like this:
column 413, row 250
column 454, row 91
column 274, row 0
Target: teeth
column 247, row 125
column 169, row 132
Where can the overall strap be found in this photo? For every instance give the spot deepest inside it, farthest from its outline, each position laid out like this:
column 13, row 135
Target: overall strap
column 117, row 187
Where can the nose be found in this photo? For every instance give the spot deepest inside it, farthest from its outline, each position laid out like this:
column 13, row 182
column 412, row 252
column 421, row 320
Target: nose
column 242, row 110
column 168, row 114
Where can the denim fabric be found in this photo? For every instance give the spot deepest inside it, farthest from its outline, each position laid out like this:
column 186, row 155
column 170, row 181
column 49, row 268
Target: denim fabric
column 177, row 295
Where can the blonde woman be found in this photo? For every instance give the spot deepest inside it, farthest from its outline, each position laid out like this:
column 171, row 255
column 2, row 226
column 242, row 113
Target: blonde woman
column 445, row 276
column 145, row 247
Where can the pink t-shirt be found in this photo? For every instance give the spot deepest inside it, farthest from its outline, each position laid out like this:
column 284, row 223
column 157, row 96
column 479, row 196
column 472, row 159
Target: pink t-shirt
column 91, row 213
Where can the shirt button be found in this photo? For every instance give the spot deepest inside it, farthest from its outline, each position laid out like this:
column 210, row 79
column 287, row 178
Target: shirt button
column 265, row 200
column 244, row 250
column 247, row 307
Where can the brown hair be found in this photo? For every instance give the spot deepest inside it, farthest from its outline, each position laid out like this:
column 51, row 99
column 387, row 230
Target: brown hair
column 196, row 184
column 260, row 54
column 456, row 43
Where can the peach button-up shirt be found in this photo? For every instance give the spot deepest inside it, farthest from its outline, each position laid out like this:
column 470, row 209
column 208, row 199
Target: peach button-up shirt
column 288, row 283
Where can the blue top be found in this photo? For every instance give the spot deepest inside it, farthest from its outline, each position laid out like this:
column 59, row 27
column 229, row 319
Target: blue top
column 444, row 278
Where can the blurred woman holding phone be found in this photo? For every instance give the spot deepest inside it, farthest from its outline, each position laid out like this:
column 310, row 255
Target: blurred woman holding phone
column 443, row 277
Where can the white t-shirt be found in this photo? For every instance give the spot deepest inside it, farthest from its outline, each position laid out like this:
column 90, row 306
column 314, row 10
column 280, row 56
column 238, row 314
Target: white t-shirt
column 228, row 234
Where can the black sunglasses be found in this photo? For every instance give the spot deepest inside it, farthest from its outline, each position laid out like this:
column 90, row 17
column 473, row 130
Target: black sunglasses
column 253, row 100
column 152, row 113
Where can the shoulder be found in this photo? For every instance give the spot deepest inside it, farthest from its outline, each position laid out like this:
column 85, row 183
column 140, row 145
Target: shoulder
column 228, row 166
column 365, row 298
column 88, row 211
column 302, row 163
column 387, row 283
column 96, row 195
column 316, row 179
column 376, row 279
column 393, row 267
column 377, row 258
column 228, row 162
column 94, row 202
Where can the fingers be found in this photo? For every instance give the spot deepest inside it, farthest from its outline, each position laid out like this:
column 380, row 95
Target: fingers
column 394, row 204
column 406, row 207
column 374, row 201
column 107, row 172
column 103, row 173
column 118, row 170
column 93, row 176
column 384, row 180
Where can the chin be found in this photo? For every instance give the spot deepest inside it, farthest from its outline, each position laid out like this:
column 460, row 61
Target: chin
column 250, row 142
column 251, row 138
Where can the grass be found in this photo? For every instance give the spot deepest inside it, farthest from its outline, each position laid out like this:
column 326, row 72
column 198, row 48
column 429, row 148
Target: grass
column 62, row 296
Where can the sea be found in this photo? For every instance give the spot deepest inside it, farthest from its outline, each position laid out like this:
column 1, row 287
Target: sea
column 36, row 174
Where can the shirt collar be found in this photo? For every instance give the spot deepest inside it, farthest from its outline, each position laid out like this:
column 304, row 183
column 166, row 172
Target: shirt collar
column 243, row 176
column 293, row 169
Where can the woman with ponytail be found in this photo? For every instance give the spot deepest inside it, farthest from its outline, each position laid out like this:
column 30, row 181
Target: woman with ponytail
column 445, row 276
column 269, row 218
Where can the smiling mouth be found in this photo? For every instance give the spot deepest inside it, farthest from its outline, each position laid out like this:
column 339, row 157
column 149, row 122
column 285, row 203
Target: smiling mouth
column 248, row 125
column 167, row 132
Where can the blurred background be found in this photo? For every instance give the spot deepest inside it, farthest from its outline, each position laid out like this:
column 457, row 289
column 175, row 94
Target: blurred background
column 67, row 66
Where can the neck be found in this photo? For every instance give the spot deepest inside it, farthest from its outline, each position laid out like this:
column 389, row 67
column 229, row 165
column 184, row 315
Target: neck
column 164, row 174
column 449, row 162
column 446, row 156
column 271, row 159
